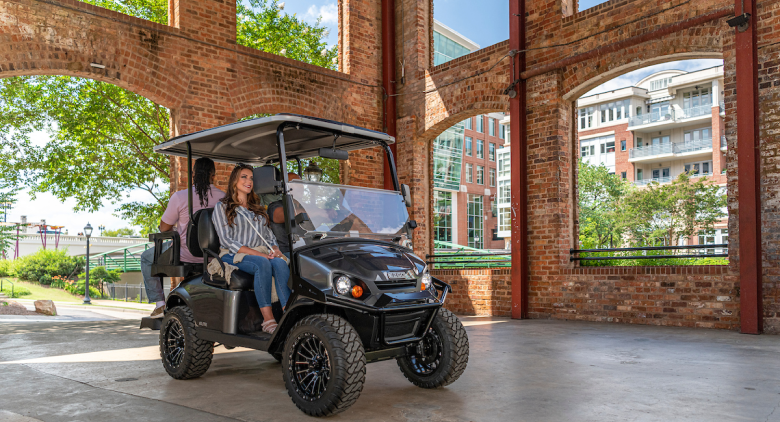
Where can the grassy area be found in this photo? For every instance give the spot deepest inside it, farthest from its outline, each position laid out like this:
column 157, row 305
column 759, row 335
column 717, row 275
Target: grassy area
column 40, row 292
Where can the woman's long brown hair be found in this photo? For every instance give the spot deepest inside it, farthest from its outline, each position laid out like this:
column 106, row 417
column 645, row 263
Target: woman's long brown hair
column 231, row 198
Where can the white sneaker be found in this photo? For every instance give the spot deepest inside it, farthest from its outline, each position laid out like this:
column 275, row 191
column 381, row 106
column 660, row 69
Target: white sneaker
column 158, row 312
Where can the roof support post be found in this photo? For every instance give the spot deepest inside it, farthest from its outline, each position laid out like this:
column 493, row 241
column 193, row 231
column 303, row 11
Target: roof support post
column 519, row 163
column 388, row 81
column 748, row 175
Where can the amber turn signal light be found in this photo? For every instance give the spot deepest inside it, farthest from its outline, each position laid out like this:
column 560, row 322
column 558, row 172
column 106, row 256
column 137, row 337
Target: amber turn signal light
column 357, row 291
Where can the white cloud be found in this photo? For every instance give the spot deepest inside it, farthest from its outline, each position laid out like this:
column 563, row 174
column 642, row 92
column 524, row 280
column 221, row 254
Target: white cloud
column 329, row 13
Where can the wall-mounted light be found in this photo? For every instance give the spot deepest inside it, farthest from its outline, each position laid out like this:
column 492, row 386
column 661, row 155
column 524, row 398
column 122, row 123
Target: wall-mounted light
column 99, row 66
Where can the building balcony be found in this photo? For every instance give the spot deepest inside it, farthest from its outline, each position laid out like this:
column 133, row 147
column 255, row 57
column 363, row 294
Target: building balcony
column 659, row 180
column 661, row 152
column 651, row 118
column 675, row 117
column 693, row 112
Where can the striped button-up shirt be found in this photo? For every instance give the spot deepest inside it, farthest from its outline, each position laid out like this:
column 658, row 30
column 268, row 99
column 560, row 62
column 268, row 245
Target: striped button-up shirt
column 241, row 233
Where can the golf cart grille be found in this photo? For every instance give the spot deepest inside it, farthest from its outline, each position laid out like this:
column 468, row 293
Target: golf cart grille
column 396, row 284
column 399, row 327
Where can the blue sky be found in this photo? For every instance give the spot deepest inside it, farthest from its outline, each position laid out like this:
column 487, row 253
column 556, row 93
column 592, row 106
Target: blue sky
column 486, row 25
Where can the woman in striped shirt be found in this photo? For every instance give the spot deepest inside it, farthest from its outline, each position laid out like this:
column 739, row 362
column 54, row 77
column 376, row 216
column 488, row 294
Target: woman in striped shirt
column 241, row 221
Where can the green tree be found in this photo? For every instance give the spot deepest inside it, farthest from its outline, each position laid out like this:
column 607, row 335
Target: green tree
column 102, row 135
column 7, row 230
column 666, row 213
column 599, row 198
column 125, row 231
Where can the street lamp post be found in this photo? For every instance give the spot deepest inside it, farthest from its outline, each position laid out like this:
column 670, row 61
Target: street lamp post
column 101, row 228
column 88, row 233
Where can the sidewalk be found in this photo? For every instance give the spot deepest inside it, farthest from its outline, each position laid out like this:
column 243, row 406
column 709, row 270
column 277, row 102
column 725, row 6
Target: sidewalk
column 115, row 305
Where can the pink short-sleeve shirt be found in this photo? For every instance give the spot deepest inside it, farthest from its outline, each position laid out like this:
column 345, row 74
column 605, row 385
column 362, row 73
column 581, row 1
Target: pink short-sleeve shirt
column 177, row 214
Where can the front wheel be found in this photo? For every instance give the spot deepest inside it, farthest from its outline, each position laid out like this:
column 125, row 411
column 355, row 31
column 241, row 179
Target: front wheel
column 440, row 357
column 184, row 355
column 323, row 365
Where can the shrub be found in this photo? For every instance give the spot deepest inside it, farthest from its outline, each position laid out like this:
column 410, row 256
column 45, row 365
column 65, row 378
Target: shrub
column 7, row 268
column 100, row 274
column 48, row 262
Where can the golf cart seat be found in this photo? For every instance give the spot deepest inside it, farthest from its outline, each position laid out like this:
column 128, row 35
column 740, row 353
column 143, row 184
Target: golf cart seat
column 202, row 241
column 167, row 263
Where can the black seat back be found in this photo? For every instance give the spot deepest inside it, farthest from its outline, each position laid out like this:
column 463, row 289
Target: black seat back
column 201, row 233
column 267, row 180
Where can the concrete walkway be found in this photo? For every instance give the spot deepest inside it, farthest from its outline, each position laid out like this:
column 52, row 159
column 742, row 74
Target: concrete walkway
column 518, row 371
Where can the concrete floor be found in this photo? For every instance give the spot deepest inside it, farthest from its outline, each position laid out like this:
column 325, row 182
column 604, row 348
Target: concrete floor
column 518, row 371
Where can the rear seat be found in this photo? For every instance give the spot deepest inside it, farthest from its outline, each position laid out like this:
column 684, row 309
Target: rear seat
column 203, row 242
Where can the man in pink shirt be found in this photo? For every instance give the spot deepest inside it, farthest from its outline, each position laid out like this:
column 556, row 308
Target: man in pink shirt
column 177, row 214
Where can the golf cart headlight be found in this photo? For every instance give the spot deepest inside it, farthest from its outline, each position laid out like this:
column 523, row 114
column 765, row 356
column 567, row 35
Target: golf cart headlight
column 426, row 281
column 343, row 285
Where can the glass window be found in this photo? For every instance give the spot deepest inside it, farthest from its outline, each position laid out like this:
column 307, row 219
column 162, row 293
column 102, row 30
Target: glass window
column 480, row 148
column 442, row 217
column 586, row 117
column 491, row 126
column 468, row 146
column 492, row 177
column 480, row 122
column 492, row 151
column 480, row 175
column 610, row 146
column 503, row 164
column 697, row 98
column 623, row 175
column 448, row 158
column 638, row 174
column 467, row 123
column 623, row 145
column 445, row 49
column 502, row 132
column 469, row 173
column 702, row 168
column 476, row 221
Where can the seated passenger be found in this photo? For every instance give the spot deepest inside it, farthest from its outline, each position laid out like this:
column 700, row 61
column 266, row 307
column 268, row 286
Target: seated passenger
column 177, row 214
column 242, row 224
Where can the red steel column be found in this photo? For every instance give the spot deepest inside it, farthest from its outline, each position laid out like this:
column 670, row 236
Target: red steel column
column 519, row 164
column 748, row 175
column 388, row 80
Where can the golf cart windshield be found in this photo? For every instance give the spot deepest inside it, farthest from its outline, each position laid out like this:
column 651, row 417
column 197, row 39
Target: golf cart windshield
column 337, row 210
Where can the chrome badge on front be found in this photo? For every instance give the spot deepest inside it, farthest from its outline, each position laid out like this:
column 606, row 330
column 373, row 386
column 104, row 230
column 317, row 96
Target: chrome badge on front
column 397, row 275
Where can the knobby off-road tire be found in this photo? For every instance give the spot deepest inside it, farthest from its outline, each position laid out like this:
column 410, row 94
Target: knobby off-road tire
column 323, row 365
column 184, row 355
column 441, row 356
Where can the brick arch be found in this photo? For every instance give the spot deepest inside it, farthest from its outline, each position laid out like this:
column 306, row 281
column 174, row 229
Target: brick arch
column 431, row 133
column 697, row 43
column 138, row 67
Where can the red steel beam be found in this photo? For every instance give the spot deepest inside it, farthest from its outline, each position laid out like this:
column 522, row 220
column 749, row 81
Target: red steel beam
column 628, row 42
column 388, row 80
column 518, row 156
column 748, row 175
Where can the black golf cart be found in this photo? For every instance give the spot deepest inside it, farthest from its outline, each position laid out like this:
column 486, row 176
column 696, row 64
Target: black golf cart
column 359, row 294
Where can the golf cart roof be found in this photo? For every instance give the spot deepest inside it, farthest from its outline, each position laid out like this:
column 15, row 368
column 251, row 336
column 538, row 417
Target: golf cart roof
column 254, row 141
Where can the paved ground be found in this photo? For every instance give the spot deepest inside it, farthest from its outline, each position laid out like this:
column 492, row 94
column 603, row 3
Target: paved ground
column 518, row 371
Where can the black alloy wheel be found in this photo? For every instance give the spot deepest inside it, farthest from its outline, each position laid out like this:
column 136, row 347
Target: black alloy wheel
column 440, row 357
column 425, row 355
column 311, row 366
column 174, row 344
column 323, row 364
column 184, row 355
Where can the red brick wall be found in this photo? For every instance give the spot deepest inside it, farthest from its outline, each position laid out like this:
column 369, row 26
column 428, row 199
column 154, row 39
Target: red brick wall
column 696, row 296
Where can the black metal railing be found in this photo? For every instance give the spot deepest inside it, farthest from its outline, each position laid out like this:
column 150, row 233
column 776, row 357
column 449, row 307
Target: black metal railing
column 445, row 260
column 722, row 246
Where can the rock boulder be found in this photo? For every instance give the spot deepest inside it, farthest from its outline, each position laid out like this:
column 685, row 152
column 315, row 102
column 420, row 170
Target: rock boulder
column 45, row 307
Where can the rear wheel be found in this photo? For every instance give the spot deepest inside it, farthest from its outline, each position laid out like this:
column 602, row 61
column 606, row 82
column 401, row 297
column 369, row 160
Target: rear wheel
column 184, row 355
column 441, row 356
column 323, row 365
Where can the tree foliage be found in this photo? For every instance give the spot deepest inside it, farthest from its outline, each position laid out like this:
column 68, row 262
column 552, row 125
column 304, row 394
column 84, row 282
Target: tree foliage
column 614, row 213
column 101, row 136
column 663, row 214
column 600, row 195
column 125, row 231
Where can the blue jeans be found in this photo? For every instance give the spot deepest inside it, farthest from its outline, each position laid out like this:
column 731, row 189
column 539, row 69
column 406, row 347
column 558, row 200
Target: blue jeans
column 153, row 285
column 263, row 269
